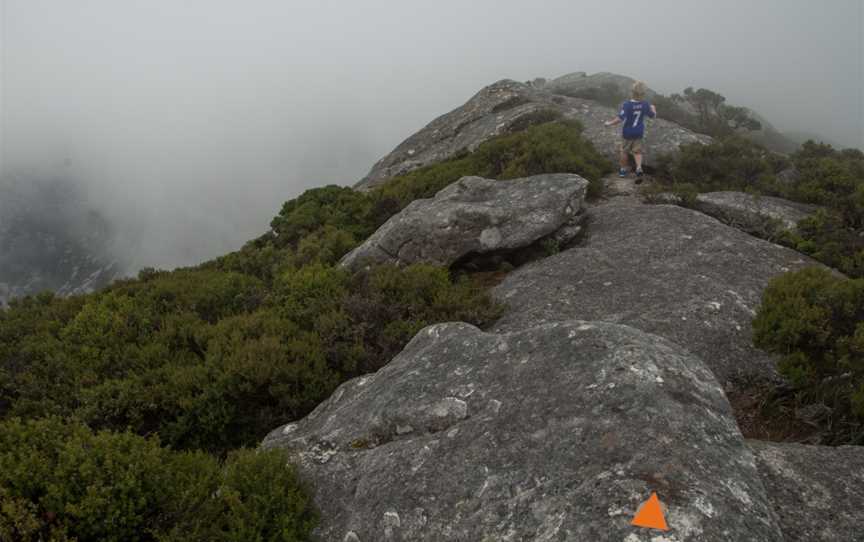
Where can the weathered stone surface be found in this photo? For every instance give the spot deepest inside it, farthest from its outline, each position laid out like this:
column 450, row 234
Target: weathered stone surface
column 581, row 81
column 761, row 215
column 557, row 432
column 817, row 491
column 475, row 216
column 496, row 109
column 789, row 176
column 663, row 269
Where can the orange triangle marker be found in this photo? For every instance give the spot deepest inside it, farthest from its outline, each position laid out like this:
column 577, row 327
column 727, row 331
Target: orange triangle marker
column 650, row 515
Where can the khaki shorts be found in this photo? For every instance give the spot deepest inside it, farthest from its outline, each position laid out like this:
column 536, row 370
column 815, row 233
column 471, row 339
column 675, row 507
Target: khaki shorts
column 631, row 146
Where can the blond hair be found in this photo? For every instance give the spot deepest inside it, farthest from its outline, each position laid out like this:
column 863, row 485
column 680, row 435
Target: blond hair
column 638, row 91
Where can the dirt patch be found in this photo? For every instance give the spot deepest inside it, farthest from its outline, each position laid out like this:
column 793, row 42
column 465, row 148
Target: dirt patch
column 765, row 413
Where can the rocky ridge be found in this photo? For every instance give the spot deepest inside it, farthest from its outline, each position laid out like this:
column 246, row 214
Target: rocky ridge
column 506, row 106
column 604, row 381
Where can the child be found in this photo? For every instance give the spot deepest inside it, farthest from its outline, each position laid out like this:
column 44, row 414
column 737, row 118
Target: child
column 632, row 114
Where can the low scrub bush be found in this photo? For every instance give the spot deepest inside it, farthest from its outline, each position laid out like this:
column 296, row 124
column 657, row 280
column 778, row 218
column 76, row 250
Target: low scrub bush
column 144, row 356
column 60, row 481
column 815, row 321
column 729, row 164
column 828, row 238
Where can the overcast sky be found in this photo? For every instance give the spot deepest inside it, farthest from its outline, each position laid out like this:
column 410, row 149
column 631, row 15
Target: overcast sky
column 191, row 121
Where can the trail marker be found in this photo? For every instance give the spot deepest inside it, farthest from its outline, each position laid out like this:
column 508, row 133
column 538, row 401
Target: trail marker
column 650, row 515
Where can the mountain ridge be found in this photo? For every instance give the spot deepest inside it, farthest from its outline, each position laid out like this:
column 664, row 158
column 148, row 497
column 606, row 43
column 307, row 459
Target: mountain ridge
column 395, row 455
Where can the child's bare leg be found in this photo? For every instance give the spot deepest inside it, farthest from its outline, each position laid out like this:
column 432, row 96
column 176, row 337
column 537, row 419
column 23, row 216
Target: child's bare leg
column 625, row 159
column 638, row 157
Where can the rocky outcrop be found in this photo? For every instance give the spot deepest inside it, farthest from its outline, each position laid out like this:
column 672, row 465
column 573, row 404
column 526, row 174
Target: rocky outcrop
column 476, row 216
column 580, row 82
column 556, row 432
column 507, row 106
column 763, row 216
column 817, row 491
column 603, row 381
column 789, row 176
column 662, row 269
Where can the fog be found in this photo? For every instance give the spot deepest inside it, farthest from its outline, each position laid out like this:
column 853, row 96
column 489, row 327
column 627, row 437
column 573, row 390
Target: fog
column 189, row 123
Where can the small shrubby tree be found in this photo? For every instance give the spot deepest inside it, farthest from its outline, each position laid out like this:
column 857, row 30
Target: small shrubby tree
column 712, row 115
column 815, row 321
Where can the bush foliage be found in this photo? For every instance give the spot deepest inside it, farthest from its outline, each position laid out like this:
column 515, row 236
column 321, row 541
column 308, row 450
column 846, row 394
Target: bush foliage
column 815, row 320
column 61, row 481
column 732, row 163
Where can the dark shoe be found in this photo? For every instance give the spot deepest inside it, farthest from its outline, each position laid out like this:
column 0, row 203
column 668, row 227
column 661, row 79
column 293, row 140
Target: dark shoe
column 639, row 176
column 622, row 172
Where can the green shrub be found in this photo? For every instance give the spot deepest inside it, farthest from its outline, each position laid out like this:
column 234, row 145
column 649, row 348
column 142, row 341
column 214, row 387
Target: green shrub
column 815, row 320
column 534, row 118
column 257, row 498
column 729, row 164
column 832, row 178
column 142, row 356
column 825, row 236
column 207, row 293
column 426, row 181
column 556, row 147
column 60, row 481
column 338, row 206
column 258, row 258
column 133, row 328
column 711, row 114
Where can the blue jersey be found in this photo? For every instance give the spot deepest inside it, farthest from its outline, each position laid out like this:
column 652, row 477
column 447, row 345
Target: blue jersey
column 633, row 115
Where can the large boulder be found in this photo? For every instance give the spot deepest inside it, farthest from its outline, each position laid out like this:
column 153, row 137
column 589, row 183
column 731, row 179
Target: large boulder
column 476, row 216
column 817, row 491
column 663, row 269
column 556, row 432
column 580, row 82
column 764, row 216
column 507, row 106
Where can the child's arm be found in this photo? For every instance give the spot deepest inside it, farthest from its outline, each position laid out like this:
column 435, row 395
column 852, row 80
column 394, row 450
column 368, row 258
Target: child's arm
column 653, row 111
column 619, row 119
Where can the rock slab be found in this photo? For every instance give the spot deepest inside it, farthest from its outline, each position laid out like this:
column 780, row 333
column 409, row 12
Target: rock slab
column 557, row 432
column 817, row 491
column 662, row 269
column 764, row 216
column 475, row 216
